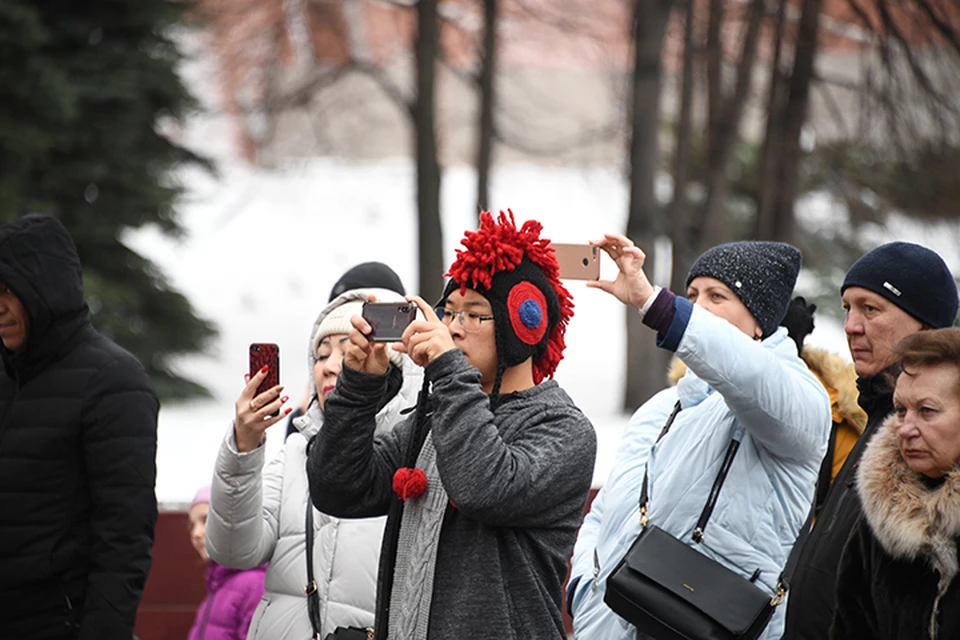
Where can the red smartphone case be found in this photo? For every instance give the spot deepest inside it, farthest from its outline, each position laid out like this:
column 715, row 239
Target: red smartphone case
column 265, row 354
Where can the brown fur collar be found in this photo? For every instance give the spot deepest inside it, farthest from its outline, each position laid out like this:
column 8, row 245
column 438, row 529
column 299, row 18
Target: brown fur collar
column 907, row 518
column 832, row 370
column 842, row 377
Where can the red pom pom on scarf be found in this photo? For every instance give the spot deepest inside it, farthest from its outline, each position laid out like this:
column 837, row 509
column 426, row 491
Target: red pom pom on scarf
column 409, row 483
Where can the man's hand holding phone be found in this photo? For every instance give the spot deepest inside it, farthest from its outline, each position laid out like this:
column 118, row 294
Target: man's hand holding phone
column 425, row 340
column 363, row 354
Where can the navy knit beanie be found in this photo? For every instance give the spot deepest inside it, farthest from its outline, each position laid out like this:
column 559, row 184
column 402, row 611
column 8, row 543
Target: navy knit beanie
column 761, row 274
column 910, row 276
column 368, row 275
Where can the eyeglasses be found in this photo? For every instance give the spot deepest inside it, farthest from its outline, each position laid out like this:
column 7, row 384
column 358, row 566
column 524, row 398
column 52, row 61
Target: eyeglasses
column 469, row 320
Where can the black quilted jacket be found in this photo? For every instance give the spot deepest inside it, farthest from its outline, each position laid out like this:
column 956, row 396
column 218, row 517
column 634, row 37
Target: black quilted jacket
column 78, row 434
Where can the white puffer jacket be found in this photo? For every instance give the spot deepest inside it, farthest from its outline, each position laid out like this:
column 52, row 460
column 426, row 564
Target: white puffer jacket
column 256, row 518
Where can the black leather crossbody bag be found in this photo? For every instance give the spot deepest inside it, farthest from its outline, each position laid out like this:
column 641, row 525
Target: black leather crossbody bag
column 671, row 591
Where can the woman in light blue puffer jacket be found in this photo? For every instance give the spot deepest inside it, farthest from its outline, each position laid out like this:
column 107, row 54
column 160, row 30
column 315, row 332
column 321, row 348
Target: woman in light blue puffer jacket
column 743, row 378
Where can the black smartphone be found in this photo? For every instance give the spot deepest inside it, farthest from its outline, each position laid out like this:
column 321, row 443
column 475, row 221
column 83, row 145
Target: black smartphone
column 388, row 319
column 578, row 261
column 265, row 354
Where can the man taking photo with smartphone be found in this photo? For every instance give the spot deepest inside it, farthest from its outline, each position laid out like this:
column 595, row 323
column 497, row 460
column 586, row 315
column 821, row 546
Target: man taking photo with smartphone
column 485, row 483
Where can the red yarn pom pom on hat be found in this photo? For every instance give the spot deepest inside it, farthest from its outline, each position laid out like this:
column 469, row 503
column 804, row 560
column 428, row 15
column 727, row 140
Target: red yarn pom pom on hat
column 409, row 482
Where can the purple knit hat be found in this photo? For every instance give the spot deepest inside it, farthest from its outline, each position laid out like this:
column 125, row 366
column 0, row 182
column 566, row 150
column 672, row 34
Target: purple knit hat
column 203, row 495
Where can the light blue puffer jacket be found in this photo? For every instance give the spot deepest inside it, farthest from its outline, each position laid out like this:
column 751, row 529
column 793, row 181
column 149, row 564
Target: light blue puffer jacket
column 732, row 383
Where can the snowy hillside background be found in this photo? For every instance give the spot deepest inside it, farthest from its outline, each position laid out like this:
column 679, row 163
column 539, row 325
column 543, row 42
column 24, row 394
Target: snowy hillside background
column 264, row 248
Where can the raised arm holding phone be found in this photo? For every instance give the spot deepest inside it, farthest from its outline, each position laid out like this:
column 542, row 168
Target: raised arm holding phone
column 745, row 391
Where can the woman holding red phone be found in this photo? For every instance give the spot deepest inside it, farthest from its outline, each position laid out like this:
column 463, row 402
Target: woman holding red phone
column 259, row 510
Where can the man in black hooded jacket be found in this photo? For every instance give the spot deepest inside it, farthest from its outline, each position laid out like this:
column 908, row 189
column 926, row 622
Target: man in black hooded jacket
column 78, row 434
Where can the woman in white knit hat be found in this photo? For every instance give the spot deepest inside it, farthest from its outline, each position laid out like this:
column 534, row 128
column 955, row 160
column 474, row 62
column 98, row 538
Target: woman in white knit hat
column 262, row 517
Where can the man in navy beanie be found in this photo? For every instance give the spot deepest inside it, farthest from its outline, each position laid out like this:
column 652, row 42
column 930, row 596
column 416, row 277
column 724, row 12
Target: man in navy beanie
column 893, row 291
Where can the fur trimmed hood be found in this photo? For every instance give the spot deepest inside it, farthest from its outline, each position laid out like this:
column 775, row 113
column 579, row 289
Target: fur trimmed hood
column 909, row 519
column 837, row 376
column 840, row 379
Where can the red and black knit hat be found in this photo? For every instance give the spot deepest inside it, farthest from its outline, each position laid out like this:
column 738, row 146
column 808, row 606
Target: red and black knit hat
column 517, row 272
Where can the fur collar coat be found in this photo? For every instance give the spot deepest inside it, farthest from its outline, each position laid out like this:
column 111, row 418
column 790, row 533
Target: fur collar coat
column 898, row 573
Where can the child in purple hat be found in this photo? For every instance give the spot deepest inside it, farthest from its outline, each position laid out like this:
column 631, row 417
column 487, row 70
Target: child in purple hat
column 232, row 594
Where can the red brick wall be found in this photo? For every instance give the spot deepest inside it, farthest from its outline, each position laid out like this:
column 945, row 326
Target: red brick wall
column 175, row 586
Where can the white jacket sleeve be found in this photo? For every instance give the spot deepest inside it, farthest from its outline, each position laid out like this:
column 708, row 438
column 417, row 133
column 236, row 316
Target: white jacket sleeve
column 777, row 399
column 243, row 524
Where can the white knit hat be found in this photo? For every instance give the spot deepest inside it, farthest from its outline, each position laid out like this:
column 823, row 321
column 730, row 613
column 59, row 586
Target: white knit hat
column 338, row 321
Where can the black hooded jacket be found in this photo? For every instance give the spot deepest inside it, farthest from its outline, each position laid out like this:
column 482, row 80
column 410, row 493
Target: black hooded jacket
column 813, row 594
column 78, row 434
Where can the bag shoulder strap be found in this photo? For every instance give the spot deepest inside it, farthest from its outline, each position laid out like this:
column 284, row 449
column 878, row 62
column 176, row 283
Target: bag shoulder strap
column 714, row 491
column 793, row 559
column 313, row 598
column 663, row 432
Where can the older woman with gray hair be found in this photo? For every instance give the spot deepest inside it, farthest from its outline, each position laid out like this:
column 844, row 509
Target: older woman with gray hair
column 898, row 573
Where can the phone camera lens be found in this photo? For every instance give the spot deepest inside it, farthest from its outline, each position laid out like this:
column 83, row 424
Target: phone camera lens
column 255, row 348
column 586, row 262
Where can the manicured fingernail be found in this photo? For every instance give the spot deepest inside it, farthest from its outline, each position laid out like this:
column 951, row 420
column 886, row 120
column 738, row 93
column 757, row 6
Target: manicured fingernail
column 246, row 377
column 288, row 410
column 265, row 369
column 284, row 398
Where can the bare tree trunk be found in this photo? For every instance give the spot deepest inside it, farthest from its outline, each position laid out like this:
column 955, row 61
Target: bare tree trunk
column 487, row 76
column 713, row 64
column 770, row 157
column 428, row 168
column 680, row 233
column 645, row 363
column 725, row 133
column 794, row 115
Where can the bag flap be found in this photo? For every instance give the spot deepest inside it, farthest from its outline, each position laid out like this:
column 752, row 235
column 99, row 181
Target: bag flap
column 731, row 600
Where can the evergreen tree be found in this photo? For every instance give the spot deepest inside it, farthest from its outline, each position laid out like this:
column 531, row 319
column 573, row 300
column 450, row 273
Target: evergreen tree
column 85, row 88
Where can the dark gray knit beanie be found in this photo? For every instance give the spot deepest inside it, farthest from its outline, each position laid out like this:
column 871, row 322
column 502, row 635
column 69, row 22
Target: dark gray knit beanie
column 761, row 274
column 910, row 276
